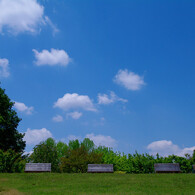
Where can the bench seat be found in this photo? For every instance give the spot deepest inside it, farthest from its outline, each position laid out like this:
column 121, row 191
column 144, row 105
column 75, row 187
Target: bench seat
column 37, row 167
column 100, row 168
column 167, row 168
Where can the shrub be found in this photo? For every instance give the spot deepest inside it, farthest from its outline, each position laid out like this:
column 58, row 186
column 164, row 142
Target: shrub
column 11, row 162
column 78, row 159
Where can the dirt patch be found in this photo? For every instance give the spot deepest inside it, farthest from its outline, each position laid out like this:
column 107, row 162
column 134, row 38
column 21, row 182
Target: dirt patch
column 3, row 179
column 11, row 192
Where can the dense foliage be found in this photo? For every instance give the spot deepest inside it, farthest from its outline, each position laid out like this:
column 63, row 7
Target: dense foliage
column 74, row 157
column 76, row 160
column 10, row 138
column 143, row 163
column 11, row 162
column 46, row 152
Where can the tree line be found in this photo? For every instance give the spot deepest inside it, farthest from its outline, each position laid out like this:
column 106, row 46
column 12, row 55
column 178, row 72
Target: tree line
column 72, row 157
column 75, row 156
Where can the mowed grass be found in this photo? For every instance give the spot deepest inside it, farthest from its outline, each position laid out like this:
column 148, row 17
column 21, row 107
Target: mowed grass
column 53, row 183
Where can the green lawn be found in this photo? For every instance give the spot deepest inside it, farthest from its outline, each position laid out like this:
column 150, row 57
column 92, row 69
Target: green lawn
column 53, row 183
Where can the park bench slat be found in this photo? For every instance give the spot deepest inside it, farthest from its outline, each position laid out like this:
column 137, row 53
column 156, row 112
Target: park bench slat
column 167, row 168
column 100, row 168
column 38, row 167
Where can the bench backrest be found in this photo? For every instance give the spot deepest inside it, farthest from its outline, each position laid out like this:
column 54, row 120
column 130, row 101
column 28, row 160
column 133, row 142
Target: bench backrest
column 167, row 168
column 100, row 168
column 38, row 167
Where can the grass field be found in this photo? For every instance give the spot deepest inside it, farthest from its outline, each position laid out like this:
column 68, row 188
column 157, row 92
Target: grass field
column 53, row 183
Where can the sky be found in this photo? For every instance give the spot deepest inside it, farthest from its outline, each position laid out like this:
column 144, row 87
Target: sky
column 120, row 72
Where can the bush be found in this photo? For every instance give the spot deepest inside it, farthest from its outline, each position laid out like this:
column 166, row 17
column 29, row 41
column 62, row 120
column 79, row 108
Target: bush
column 78, row 159
column 11, row 162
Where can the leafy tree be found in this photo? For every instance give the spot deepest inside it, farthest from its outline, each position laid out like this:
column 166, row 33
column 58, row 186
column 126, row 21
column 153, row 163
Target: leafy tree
column 88, row 144
column 78, row 159
column 74, row 144
column 11, row 162
column 10, row 138
column 46, row 152
column 62, row 149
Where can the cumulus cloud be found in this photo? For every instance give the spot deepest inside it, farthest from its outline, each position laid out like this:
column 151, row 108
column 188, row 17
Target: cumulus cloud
column 165, row 148
column 35, row 136
column 4, row 72
column 51, row 58
column 75, row 115
column 21, row 107
column 17, row 16
column 108, row 99
column 129, row 80
column 102, row 140
column 57, row 118
column 75, row 101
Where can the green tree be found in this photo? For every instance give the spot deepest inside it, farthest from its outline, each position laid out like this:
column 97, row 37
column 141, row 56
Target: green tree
column 10, row 138
column 74, row 144
column 78, row 159
column 46, row 152
column 11, row 162
column 88, row 144
column 62, row 149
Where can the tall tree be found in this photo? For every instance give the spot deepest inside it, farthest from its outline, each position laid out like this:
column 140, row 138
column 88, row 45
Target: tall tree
column 10, row 138
column 88, row 144
column 46, row 152
column 74, row 144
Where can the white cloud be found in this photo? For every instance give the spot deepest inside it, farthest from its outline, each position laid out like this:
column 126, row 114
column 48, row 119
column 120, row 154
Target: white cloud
column 75, row 101
column 18, row 16
column 21, row 107
column 75, row 115
column 4, row 63
column 187, row 150
column 165, row 148
column 55, row 57
column 129, row 80
column 101, row 140
column 35, row 136
column 108, row 99
column 57, row 118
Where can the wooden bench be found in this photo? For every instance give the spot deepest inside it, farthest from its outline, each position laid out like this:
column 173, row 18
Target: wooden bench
column 167, row 168
column 100, row 168
column 37, row 167
column 193, row 168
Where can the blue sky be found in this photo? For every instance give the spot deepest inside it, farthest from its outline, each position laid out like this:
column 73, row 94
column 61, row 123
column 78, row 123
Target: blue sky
column 118, row 72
